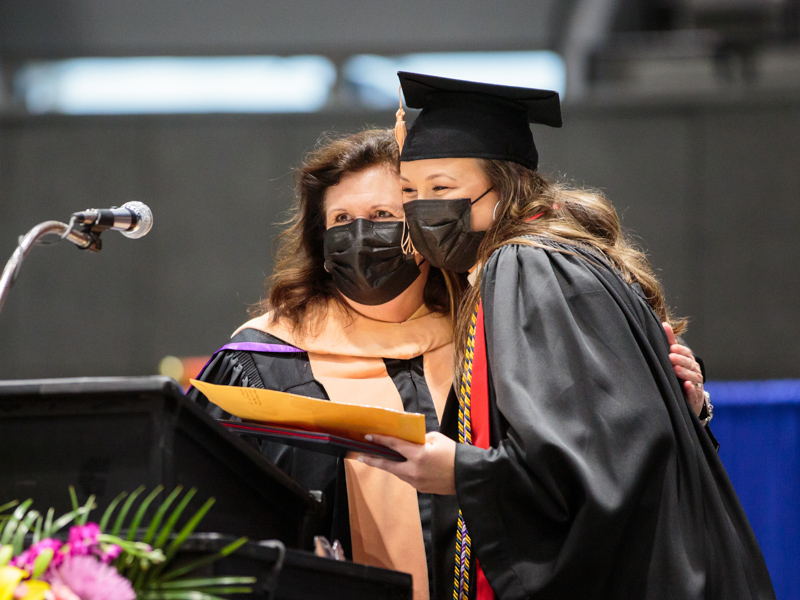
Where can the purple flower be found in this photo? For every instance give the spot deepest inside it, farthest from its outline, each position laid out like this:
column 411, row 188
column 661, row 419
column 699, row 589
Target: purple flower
column 83, row 539
column 90, row 579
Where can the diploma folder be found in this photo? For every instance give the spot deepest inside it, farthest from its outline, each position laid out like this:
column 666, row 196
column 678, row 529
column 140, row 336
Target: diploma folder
column 312, row 440
column 320, row 425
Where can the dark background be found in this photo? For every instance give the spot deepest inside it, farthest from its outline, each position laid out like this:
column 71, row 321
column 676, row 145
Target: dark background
column 692, row 129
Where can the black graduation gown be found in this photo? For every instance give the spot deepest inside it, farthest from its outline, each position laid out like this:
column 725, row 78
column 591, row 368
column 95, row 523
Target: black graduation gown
column 291, row 372
column 600, row 482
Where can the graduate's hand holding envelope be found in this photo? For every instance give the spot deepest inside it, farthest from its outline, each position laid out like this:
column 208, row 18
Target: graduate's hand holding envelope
column 429, row 467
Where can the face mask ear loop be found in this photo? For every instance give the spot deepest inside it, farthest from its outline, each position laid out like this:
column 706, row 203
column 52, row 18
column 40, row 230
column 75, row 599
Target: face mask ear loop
column 406, row 245
column 481, row 196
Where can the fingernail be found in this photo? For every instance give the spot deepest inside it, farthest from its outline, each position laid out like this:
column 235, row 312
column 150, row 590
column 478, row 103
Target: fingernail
column 368, row 437
column 361, row 459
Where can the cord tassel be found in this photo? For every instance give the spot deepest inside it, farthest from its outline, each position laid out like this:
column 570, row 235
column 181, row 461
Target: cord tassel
column 400, row 131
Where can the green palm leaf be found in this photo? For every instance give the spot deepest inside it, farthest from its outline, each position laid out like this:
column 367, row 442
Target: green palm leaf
column 147, row 576
column 73, row 497
column 37, row 530
column 65, row 520
column 177, row 595
column 217, row 590
column 204, row 583
column 110, row 510
column 11, row 525
column 137, row 518
column 162, row 510
column 83, row 517
column 23, row 528
column 123, row 512
column 163, row 535
column 133, row 570
column 135, row 563
column 179, row 539
column 201, row 562
column 189, row 528
column 48, row 522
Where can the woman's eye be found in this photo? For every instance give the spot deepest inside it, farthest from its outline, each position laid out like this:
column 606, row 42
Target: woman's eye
column 408, row 190
column 440, row 188
column 341, row 218
column 383, row 214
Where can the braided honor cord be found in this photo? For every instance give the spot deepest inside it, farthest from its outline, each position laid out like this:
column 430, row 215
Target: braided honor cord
column 463, row 542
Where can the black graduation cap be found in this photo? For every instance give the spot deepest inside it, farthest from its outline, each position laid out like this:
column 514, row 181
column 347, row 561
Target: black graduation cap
column 478, row 120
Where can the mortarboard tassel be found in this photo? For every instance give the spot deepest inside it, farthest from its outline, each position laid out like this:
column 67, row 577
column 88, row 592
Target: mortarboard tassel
column 400, row 126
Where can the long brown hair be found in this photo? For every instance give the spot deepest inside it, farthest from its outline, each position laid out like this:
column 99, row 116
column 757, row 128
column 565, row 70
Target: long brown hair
column 299, row 290
column 569, row 215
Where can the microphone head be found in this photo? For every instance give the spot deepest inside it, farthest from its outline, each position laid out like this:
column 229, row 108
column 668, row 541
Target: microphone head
column 144, row 220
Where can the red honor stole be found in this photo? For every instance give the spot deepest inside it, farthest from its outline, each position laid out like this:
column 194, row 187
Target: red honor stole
column 473, row 425
column 474, row 430
column 480, row 422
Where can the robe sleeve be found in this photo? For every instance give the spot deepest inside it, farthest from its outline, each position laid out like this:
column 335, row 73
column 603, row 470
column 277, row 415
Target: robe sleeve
column 587, row 427
column 225, row 368
column 288, row 372
column 264, row 370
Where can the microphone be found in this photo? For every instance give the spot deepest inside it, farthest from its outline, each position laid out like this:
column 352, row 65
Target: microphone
column 133, row 219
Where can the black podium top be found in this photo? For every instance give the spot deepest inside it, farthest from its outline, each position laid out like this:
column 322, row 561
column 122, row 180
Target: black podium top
column 107, row 435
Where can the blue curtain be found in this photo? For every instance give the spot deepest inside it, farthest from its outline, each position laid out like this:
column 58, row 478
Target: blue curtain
column 758, row 426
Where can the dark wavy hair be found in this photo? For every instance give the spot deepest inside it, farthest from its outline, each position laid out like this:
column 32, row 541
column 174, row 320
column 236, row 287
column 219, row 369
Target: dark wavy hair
column 300, row 289
column 566, row 214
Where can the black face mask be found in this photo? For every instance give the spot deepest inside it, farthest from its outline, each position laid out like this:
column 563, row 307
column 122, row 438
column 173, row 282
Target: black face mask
column 367, row 262
column 441, row 231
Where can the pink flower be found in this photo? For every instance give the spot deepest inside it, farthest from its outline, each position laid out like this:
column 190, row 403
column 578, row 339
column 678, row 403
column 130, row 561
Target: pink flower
column 90, row 579
column 83, row 538
column 111, row 552
column 26, row 559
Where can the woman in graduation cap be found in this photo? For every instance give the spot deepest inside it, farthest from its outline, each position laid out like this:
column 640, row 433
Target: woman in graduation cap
column 349, row 316
column 569, row 465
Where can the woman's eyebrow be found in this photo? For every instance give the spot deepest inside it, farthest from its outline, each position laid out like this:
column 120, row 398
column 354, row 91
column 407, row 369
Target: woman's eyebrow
column 433, row 176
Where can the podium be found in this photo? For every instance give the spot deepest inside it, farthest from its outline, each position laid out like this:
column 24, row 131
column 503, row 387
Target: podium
column 298, row 575
column 107, row 435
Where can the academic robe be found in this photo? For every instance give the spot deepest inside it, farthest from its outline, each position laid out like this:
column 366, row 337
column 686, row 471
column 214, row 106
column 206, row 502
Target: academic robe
column 599, row 481
column 380, row 520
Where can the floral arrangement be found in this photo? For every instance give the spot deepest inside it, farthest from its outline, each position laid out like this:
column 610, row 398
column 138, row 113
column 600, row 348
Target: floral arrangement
column 106, row 561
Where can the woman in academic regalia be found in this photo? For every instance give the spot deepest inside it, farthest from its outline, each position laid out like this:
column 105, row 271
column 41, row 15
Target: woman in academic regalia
column 350, row 317
column 569, row 465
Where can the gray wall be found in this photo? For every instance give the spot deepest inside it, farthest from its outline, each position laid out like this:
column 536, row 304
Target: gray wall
column 51, row 28
column 711, row 190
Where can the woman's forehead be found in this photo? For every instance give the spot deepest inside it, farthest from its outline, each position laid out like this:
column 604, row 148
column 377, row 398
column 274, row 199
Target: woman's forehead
column 439, row 167
column 366, row 188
